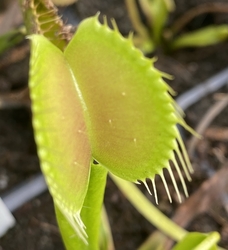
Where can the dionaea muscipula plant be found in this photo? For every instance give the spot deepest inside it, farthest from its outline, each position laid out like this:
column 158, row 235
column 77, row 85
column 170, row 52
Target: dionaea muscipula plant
column 101, row 99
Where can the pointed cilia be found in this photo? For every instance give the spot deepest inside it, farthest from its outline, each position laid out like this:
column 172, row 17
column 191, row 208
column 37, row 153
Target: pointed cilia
column 130, row 116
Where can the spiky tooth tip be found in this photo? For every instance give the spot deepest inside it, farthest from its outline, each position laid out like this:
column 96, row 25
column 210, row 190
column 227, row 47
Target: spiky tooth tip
column 167, row 76
column 147, row 187
column 174, row 183
column 180, row 176
column 80, row 227
column 105, row 21
column 80, row 222
column 155, row 190
column 74, row 220
column 166, row 186
column 130, row 37
column 114, row 25
column 183, row 164
column 97, row 15
column 184, row 152
column 137, row 182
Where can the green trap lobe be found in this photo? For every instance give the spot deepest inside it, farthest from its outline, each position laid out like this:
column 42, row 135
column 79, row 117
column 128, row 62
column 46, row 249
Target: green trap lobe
column 60, row 130
column 130, row 116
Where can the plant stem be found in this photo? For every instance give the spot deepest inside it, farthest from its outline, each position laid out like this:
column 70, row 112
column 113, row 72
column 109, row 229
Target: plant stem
column 106, row 239
column 90, row 213
column 209, row 242
column 148, row 210
column 135, row 18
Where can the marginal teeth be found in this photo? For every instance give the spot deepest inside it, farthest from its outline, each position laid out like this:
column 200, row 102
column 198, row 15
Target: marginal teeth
column 166, row 187
column 174, row 184
column 181, row 177
column 184, row 165
column 184, row 152
column 155, row 191
column 145, row 183
column 114, row 25
column 175, row 164
column 75, row 221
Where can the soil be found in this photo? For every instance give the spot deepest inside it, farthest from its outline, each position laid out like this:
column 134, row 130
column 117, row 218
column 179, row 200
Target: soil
column 36, row 227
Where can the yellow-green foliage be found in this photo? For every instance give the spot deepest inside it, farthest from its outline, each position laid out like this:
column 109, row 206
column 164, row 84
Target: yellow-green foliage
column 101, row 99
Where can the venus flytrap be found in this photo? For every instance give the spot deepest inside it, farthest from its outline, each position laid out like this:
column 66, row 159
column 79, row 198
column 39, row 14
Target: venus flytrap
column 112, row 115
column 100, row 106
column 133, row 119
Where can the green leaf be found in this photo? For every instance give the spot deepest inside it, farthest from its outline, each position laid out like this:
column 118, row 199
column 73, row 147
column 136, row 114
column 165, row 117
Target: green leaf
column 198, row 241
column 60, row 130
column 142, row 39
column 159, row 10
column 91, row 213
column 210, row 35
column 131, row 118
